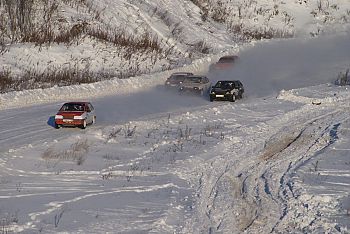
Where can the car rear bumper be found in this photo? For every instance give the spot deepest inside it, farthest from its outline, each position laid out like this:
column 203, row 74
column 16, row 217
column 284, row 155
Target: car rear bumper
column 194, row 90
column 220, row 96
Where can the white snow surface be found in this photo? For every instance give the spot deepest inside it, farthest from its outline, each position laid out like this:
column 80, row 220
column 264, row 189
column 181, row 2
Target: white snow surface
column 276, row 161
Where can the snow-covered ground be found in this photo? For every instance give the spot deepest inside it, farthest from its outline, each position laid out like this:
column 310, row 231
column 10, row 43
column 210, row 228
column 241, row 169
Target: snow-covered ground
column 157, row 162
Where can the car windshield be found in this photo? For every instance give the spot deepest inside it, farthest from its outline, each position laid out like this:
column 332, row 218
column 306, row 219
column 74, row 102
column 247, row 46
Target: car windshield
column 224, row 85
column 72, row 107
column 193, row 80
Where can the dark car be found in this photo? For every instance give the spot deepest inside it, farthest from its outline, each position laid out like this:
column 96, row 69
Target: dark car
column 176, row 79
column 227, row 90
column 75, row 114
column 224, row 63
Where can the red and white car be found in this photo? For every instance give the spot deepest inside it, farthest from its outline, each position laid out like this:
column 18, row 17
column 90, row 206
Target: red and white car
column 224, row 63
column 75, row 114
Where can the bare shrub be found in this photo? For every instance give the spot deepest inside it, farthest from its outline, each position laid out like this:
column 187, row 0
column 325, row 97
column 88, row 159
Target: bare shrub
column 129, row 131
column 5, row 79
column 220, row 12
column 19, row 17
column 7, row 221
column 343, row 78
column 113, row 133
column 204, row 6
column 178, row 146
column 119, row 37
column 76, row 152
column 201, row 47
column 65, row 75
column 184, row 134
column 315, row 166
column 258, row 33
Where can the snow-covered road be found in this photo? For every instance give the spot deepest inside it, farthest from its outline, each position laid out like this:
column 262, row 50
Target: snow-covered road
column 34, row 124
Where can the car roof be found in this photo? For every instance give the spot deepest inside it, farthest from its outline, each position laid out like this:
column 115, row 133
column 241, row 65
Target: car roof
column 182, row 73
column 228, row 81
column 229, row 57
column 196, row 76
column 77, row 103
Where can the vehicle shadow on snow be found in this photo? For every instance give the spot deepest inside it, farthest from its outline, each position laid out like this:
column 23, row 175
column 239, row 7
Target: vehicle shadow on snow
column 51, row 121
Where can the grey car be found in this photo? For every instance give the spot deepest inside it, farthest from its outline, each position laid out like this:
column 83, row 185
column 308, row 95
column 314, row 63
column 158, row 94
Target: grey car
column 195, row 84
column 175, row 80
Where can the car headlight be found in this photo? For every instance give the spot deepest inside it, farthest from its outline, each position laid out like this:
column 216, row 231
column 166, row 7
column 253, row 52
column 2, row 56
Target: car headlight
column 167, row 82
column 58, row 116
column 228, row 92
column 79, row 117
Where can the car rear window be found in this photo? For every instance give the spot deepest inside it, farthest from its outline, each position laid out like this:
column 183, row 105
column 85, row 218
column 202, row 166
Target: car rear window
column 178, row 77
column 193, row 80
column 226, row 60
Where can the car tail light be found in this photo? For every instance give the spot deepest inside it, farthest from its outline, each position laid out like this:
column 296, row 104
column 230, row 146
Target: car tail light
column 58, row 116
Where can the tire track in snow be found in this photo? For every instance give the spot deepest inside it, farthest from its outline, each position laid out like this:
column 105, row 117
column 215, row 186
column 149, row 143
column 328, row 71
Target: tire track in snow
column 259, row 193
column 311, row 139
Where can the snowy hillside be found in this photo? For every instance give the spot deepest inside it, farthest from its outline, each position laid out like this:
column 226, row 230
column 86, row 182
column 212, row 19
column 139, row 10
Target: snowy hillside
column 276, row 161
column 43, row 43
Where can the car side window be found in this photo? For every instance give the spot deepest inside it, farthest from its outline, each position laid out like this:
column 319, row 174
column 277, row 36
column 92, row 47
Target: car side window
column 90, row 107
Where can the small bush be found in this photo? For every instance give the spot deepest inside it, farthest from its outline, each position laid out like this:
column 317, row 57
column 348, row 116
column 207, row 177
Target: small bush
column 343, row 78
column 5, row 79
column 201, row 47
column 119, row 37
column 7, row 221
column 258, row 33
column 60, row 76
column 76, row 152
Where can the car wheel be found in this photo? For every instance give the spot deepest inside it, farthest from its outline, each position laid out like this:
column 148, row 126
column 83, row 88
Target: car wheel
column 233, row 98
column 211, row 99
column 57, row 126
column 83, row 126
